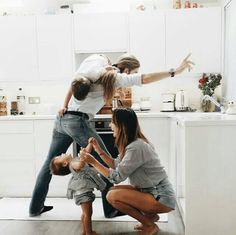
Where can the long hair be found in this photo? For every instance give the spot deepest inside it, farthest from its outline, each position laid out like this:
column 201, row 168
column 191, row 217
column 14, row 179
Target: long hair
column 108, row 80
column 129, row 130
column 127, row 61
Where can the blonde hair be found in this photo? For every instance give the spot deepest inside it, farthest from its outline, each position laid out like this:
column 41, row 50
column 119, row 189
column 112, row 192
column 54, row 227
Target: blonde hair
column 127, row 61
column 108, row 79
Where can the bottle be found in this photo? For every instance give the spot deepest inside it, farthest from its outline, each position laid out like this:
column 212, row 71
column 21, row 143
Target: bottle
column 3, row 103
column 21, row 101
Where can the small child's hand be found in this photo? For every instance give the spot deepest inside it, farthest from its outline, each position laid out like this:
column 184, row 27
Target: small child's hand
column 95, row 144
column 86, row 157
column 62, row 111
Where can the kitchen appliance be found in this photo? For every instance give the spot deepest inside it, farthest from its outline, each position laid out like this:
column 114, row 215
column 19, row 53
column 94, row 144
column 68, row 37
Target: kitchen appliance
column 181, row 101
column 145, row 104
column 168, row 100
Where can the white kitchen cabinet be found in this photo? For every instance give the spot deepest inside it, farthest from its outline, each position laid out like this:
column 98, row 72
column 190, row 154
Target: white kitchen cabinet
column 54, row 37
column 157, row 131
column 101, row 32
column 17, row 168
column 43, row 135
column 205, row 174
column 147, row 39
column 196, row 31
column 177, row 163
column 18, row 48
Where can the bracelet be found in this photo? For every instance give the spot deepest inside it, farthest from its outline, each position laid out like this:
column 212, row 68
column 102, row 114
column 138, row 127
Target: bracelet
column 172, row 72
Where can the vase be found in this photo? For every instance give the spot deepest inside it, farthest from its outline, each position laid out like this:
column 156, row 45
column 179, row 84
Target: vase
column 207, row 105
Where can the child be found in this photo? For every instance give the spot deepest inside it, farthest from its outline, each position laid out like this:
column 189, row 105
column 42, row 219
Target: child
column 81, row 185
column 89, row 71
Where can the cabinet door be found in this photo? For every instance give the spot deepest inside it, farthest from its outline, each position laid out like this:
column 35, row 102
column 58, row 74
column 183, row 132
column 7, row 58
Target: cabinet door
column 55, row 47
column 101, row 32
column 157, row 131
column 197, row 31
column 43, row 136
column 147, row 39
column 18, row 48
column 17, row 172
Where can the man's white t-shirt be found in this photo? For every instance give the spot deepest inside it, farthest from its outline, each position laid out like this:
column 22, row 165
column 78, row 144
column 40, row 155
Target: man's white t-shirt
column 95, row 99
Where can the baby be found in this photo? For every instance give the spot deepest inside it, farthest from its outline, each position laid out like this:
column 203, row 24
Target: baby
column 81, row 185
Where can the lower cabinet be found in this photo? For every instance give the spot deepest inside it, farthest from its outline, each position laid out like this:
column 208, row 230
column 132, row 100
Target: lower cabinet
column 25, row 145
column 17, row 167
column 157, row 131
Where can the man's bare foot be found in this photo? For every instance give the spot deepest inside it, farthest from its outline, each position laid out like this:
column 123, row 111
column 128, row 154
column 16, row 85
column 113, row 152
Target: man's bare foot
column 150, row 230
column 153, row 218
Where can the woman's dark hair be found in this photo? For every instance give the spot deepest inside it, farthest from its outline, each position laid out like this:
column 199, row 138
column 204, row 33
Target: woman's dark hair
column 129, row 130
column 57, row 168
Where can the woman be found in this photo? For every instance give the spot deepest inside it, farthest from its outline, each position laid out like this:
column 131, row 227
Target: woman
column 150, row 191
column 73, row 123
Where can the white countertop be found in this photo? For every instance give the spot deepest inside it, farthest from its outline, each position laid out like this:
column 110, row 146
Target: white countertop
column 184, row 118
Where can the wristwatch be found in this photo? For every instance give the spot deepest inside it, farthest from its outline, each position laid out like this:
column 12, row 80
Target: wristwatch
column 172, row 72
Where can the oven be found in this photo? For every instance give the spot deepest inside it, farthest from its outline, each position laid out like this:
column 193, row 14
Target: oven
column 101, row 125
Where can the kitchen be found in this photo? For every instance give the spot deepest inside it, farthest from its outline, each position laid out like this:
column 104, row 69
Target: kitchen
column 30, row 67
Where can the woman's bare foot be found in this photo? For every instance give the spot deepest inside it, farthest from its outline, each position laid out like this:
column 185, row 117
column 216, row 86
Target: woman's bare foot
column 92, row 233
column 153, row 218
column 150, row 230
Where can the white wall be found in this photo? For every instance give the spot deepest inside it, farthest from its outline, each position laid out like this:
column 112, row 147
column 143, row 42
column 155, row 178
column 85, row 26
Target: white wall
column 229, row 86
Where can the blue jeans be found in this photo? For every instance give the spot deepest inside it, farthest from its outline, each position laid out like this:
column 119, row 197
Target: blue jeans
column 66, row 129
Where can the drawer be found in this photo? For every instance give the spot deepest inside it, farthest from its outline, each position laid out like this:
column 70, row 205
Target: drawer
column 12, row 126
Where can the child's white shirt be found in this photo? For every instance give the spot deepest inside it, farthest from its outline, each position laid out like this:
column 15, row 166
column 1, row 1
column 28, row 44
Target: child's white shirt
column 93, row 67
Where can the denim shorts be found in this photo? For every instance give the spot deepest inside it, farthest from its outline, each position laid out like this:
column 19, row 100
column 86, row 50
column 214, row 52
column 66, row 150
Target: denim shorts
column 84, row 197
column 163, row 192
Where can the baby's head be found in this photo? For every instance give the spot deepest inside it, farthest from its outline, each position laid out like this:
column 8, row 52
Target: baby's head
column 80, row 87
column 60, row 164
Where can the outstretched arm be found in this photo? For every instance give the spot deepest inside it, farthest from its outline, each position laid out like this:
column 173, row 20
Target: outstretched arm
column 66, row 102
column 153, row 77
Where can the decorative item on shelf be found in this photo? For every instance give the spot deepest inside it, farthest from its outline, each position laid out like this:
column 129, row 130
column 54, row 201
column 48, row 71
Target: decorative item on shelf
column 187, row 4
column 3, row 103
column 14, row 108
column 208, row 84
column 194, row 5
column 177, row 4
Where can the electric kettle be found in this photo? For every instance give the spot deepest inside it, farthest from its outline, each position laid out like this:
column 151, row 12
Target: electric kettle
column 181, row 101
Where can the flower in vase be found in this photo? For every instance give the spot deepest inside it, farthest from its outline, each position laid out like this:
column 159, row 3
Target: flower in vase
column 208, row 83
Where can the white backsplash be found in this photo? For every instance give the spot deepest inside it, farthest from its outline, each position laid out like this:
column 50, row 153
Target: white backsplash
column 52, row 93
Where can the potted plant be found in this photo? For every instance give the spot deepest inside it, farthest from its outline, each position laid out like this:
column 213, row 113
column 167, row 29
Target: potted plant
column 208, row 84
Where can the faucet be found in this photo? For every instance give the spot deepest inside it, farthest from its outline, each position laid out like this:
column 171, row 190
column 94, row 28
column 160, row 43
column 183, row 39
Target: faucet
column 207, row 97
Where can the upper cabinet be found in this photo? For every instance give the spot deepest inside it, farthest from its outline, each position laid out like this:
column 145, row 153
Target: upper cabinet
column 55, row 52
column 147, row 39
column 18, row 48
column 101, row 32
column 197, row 31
